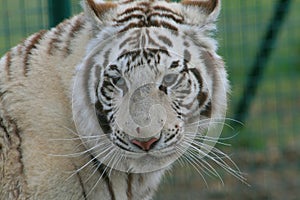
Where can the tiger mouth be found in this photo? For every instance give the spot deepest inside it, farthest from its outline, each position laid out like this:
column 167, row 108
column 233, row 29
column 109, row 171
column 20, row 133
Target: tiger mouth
column 149, row 146
column 139, row 145
column 145, row 145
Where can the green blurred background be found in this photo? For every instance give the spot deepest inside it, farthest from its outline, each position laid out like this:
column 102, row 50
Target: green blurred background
column 267, row 147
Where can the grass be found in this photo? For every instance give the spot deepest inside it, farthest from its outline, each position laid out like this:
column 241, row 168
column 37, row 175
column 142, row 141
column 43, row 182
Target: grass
column 274, row 116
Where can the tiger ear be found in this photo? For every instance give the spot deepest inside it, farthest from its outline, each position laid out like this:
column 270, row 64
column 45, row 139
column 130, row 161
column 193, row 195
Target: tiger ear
column 97, row 9
column 210, row 8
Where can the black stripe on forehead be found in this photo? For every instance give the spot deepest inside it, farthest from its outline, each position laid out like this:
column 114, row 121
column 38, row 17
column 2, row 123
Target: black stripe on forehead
column 144, row 14
column 167, row 10
column 165, row 40
column 165, row 15
column 145, row 53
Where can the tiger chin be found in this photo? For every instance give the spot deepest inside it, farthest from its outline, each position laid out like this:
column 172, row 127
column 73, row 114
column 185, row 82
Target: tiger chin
column 102, row 105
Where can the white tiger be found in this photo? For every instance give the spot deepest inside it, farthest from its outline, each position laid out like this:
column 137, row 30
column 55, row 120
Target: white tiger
column 101, row 105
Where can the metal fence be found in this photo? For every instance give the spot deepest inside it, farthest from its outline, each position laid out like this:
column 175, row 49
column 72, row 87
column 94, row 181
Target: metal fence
column 251, row 38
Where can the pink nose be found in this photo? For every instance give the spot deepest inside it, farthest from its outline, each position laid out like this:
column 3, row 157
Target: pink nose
column 145, row 145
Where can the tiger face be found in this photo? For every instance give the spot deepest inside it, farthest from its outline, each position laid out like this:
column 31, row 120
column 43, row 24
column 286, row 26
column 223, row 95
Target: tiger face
column 144, row 92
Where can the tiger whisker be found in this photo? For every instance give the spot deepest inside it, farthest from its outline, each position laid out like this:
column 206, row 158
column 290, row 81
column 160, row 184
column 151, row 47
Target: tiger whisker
column 213, row 150
column 205, row 164
column 218, row 160
column 212, row 121
column 121, row 156
column 200, row 124
column 204, row 138
column 208, row 148
column 78, row 153
column 180, row 160
column 104, row 171
column 68, row 129
column 90, row 161
column 74, row 139
column 112, row 161
column 194, row 165
column 84, row 142
column 216, row 138
column 218, row 120
column 208, row 167
column 92, row 172
column 96, row 169
column 97, row 182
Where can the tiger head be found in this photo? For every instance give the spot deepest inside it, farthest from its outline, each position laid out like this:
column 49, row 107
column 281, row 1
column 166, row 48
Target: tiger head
column 150, row 82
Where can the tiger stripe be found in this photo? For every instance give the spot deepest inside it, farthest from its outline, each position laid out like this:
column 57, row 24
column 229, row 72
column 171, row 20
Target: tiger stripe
column 172, row 17
column 202, row 97
column 164, row 24
column 165, row 40
column 126, row 1
column 13, row 148
column 187, row 56
column 140, row 11
column 132, row 25
column 129, row 186
column 125, row 42
column 34, row 41
column 106, row 57
column 105, row 176
column 76, row 27
column 208, row 6
column 207, row 110
column 168, row 10
column 64, row 34
column 157, row 16
column 130, row 17
column 7, row 65
column 102, row 117
column 56, row 39
column 110, row 187
column 81, row 183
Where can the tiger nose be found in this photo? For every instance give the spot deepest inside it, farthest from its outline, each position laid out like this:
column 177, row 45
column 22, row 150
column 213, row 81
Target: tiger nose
column 145, row 145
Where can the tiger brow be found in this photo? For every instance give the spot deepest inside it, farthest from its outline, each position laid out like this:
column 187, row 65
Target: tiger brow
column 174, row 64
column 114, row 68
column 135, row 53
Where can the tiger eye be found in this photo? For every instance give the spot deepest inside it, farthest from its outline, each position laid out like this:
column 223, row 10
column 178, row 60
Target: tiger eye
column 169, row 79
column 119, row 81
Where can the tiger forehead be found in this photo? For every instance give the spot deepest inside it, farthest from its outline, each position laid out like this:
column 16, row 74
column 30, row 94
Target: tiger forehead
column 148, row 8
column 143, row 59
column 144, row 38
column 147, row 14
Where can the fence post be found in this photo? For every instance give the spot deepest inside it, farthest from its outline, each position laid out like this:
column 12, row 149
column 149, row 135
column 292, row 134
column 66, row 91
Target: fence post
column 58, row 11
column 262, row 57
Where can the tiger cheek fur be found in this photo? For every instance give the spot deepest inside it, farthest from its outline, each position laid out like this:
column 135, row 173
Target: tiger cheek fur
column 101, row 105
